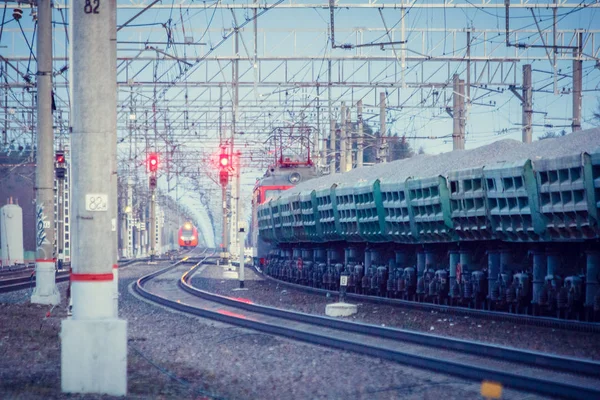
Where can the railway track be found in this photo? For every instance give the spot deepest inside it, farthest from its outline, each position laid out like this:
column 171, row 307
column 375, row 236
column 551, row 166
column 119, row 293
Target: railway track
column 457, row 310
column 27, row 278
column 516, row 369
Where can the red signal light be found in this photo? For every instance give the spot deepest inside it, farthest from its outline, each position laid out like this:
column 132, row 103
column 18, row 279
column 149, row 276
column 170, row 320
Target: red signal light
column 60, row 157
column 153, row 162
column 223, row 160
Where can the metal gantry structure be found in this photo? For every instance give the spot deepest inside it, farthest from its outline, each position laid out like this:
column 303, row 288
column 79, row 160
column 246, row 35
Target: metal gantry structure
column 194, row 76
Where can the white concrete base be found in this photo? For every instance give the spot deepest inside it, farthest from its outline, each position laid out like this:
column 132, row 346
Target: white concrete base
column 93, row 300
column 94, row 356
column 45, row 291
column 230, row 275
column 340, row 309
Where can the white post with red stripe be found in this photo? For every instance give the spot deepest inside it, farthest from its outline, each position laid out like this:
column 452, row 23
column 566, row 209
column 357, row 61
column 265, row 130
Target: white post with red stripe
column 93, row 341
column 45, row 287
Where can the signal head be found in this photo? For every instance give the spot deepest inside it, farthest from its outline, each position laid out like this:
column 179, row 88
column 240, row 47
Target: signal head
column 153, row 162
column 224, row 160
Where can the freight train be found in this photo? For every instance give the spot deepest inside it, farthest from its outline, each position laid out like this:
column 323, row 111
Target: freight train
column 188, row 236
column 507, row 226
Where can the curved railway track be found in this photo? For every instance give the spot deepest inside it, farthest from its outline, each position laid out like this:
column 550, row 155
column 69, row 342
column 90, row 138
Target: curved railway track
column 457, row 310
column 516, row 369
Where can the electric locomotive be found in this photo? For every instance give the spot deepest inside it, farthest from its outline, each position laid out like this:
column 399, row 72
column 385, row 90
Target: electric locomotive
column 188, row 236
column 281, row 176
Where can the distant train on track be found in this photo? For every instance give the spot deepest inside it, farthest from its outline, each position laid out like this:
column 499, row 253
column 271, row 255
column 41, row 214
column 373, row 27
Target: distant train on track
column 509, row 226
column 188, row 236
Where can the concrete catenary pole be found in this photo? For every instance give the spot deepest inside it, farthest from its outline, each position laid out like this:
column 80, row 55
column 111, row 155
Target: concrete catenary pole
column 130, row 218
column 577, row 83
column 45, row 287
column 343, row 138
column 349, row 140
column 113, row 196
column 462, row 114
column 455, row 112
column 381, row 150
column 360, row 139
column 332, row 146
column 527, row 104
column 242, row 235
column 331, row 122
column 93, row 341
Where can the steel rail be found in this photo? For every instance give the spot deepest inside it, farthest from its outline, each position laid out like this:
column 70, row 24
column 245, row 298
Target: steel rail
column 531, row 358
column 485, row 314
column 14, row 284
column 472, row 372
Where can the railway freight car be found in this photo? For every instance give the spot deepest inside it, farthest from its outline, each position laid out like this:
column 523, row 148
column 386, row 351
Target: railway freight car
column 509, row 226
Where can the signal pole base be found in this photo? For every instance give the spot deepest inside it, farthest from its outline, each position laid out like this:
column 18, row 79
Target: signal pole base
column 45, row 291
column 94, row 356
column 340, row 310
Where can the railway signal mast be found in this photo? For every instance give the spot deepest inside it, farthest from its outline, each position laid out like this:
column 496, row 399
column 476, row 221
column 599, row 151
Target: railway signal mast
column 152, row 169
column 224, row 164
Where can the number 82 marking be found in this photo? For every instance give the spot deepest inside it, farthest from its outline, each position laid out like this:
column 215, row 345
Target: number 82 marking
column 88, row 8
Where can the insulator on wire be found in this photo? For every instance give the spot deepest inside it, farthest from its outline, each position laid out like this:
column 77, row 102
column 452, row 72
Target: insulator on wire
column 17, row 14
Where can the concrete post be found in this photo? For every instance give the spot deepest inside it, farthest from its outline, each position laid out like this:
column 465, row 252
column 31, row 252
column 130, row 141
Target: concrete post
column 349, row 140
column 242, row 235
column 462, row 114
column 332, row 149
column 45, row 291
column 455, row 112
column 331, row 122
column 360, row 140
column 93, row 341
column 60, row 223
column 577, row 84
column 527, row 104
column 112, row 139
column 459, row 116
column 129, row 209
column 343, row 139
column 238, row 187
column 382, row 129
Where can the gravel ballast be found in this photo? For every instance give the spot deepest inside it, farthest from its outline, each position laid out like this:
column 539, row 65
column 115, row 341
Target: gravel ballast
column 544, row 339
column 172, row 355
column 427, row 166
